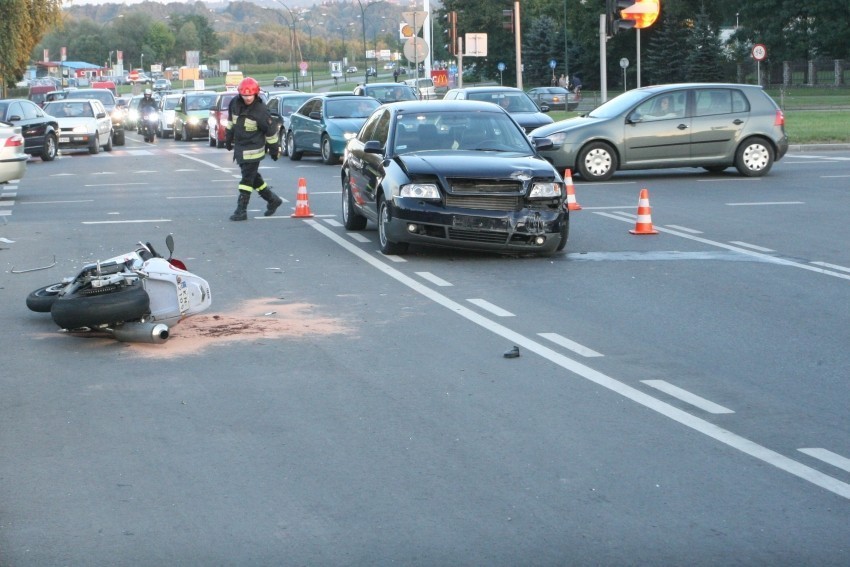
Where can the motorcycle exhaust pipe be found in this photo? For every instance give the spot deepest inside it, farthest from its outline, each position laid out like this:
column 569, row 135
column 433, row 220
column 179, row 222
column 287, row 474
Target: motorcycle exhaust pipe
column 155, row 333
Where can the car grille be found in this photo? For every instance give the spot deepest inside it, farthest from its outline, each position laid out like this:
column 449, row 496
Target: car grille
column 477, row 235
column 484, row 194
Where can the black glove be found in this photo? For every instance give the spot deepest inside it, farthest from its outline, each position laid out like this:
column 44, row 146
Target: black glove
column 273, row 150
column 228, row 142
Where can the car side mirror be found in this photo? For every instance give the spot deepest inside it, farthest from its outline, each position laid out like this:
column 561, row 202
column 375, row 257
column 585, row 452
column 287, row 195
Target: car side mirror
column 101, row 115
column 544, row 108
column 316, row 115
column 15, row 118
column 543, row 143
column 373, row 147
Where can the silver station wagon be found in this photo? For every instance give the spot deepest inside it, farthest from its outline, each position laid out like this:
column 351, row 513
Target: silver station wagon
column 708, row 125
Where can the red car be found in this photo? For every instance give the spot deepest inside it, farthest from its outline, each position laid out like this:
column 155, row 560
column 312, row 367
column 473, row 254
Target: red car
column 218, row 118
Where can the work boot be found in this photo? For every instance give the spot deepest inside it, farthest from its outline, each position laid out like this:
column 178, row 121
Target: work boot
column 241, row 212
column 273, row 201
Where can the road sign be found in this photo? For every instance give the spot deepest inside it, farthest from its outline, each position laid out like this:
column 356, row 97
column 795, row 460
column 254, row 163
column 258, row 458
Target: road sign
column 759, row 52
column 501, row 67
column 552, row 63
column 475, row 45
column 415, row 19
column 415, row 49
column 303, row 65
column 624, row 62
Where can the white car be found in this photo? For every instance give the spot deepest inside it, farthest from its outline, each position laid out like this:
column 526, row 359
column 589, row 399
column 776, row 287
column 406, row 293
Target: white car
column 83, row 123
column 13, row 160
column 167, row 104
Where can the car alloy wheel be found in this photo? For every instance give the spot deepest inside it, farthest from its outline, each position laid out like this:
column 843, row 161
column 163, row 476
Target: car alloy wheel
column 387, row 247
column 597, row 162
column 754, row 158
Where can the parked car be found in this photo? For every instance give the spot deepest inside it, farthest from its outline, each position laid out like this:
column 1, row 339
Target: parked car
column 710, row 125
column 39, row 130
column 162, row 85
column 351, row 69
column 217, row 123
column 454, row 174
column 13, row 160
column 167, row 104
column 325, row 123
column 423, row 87
column 515, row 101
column 281, row 81
column 83, row 123
column 386, row 92
column 281, row 106
column 192, row 114
column 555, row 98
column 116, row 113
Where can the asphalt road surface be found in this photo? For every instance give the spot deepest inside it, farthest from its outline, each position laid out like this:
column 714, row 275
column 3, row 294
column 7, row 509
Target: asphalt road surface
column 679, row 398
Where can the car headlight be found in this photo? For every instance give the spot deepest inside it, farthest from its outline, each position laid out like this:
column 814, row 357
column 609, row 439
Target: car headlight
column 419, row 191
column 545, row 190
column 212, row 121
column 558, row 138
column 81, row 129
column 349, row 135
column 193, row 120
column 134, row 115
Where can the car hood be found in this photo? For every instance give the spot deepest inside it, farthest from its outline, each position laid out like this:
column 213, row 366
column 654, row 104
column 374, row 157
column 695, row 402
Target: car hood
column 345, row 124
column 80, row 121
column 530, row 120
column 564, row 126
column 475, row 164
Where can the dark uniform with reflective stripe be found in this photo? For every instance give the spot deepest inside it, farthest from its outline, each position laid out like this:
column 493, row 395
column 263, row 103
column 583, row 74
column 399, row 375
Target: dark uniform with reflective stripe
column 251, row 132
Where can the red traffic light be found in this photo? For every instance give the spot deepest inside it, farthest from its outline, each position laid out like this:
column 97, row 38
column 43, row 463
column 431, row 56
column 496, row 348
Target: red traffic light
column 643, row 13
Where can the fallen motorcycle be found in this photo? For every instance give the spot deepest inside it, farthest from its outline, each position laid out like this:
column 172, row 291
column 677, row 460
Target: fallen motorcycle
column 133, row 297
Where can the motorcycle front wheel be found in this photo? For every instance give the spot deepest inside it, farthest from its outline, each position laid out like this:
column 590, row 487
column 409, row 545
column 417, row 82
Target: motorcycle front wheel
column 90, row 307
column 41, row 300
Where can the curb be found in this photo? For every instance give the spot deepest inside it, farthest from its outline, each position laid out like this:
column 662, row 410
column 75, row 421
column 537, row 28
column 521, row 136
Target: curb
column 802, row 148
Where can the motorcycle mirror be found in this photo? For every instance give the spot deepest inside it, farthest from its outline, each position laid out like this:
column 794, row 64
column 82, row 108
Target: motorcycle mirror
column 169, row 243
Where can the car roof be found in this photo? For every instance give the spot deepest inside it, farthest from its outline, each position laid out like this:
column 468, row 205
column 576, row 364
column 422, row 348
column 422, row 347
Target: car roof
column 491, row 89
column 443, row 105
column 384, row 85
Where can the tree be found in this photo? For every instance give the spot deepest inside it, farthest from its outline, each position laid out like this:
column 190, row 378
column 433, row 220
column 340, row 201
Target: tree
column 22, row 25
column 671, row 36
column 705, row 52
column 542, row 43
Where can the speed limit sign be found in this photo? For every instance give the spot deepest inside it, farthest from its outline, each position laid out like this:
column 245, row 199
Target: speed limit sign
column 759, row 52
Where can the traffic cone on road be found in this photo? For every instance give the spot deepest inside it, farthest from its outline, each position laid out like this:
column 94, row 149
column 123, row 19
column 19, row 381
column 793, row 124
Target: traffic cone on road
column 644, row 215
column 302, row 203
column 572, row 205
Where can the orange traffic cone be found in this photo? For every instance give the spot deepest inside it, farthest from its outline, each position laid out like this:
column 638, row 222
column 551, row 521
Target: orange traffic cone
column 302, row 203
column 572, row 205
column 644, row 215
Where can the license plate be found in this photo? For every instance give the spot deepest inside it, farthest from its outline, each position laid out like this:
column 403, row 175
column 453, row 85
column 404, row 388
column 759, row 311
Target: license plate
column 63, row 140
column 478, row 223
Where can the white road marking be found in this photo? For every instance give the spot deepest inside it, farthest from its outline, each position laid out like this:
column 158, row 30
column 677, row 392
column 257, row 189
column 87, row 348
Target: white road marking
column 358, row 237
column 750, row 246
column 832, row 266
column 570, row 345
column 487, row 306
column 685, row 396
column 708, row 429
column 753, row 253
column 683, row 228
column 112, row 184
column 434, row 279
column 333, row 222
column 828, row 457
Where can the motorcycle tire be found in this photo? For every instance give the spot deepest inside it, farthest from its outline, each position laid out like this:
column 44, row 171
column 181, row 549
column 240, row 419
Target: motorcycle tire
column 41, row 300
column 107, row 306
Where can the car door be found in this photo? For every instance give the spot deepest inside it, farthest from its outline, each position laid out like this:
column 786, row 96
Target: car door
column 313, row 124
column 720, row 115
column 104, row 122
column 650, row 138
column 23, row 113
column 366, row 169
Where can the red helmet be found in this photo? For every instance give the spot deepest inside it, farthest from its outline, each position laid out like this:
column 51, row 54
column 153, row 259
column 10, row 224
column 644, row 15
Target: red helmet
column 248, row 86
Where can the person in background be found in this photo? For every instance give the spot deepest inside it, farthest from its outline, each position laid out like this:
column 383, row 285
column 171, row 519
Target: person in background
column 251, row 132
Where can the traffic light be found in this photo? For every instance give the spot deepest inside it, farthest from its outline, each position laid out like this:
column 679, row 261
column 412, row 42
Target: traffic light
column 615, row 19
column 452, row 32
column 508, row 20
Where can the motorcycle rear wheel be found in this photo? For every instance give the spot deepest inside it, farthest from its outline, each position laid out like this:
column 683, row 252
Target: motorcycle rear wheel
column 90, row 308
column 41, row 300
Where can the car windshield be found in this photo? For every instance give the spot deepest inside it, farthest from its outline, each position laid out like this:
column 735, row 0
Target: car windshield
column 619, row 105
column 171, row 103
column 105, row 97
column 457, row 130
column 68, row 109
column 199, row 103
column 512, row 102
column 358, row 108
column 390, row 94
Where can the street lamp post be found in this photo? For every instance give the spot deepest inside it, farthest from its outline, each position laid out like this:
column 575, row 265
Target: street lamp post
column 363, row 22
column 291, row 44
column 143, row 63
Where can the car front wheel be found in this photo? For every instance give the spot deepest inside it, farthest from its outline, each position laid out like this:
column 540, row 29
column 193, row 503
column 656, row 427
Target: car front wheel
column 597, row 162
column 328, row 155
column 350, row 217
column 48, row 151
column 387, row 246
column 290, row 147
column 754, row 157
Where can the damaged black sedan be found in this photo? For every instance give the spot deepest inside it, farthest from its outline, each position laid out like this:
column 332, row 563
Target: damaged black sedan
column 458, row 174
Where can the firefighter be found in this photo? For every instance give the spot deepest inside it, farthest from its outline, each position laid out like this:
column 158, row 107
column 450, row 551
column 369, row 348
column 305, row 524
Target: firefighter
column 251, row 132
